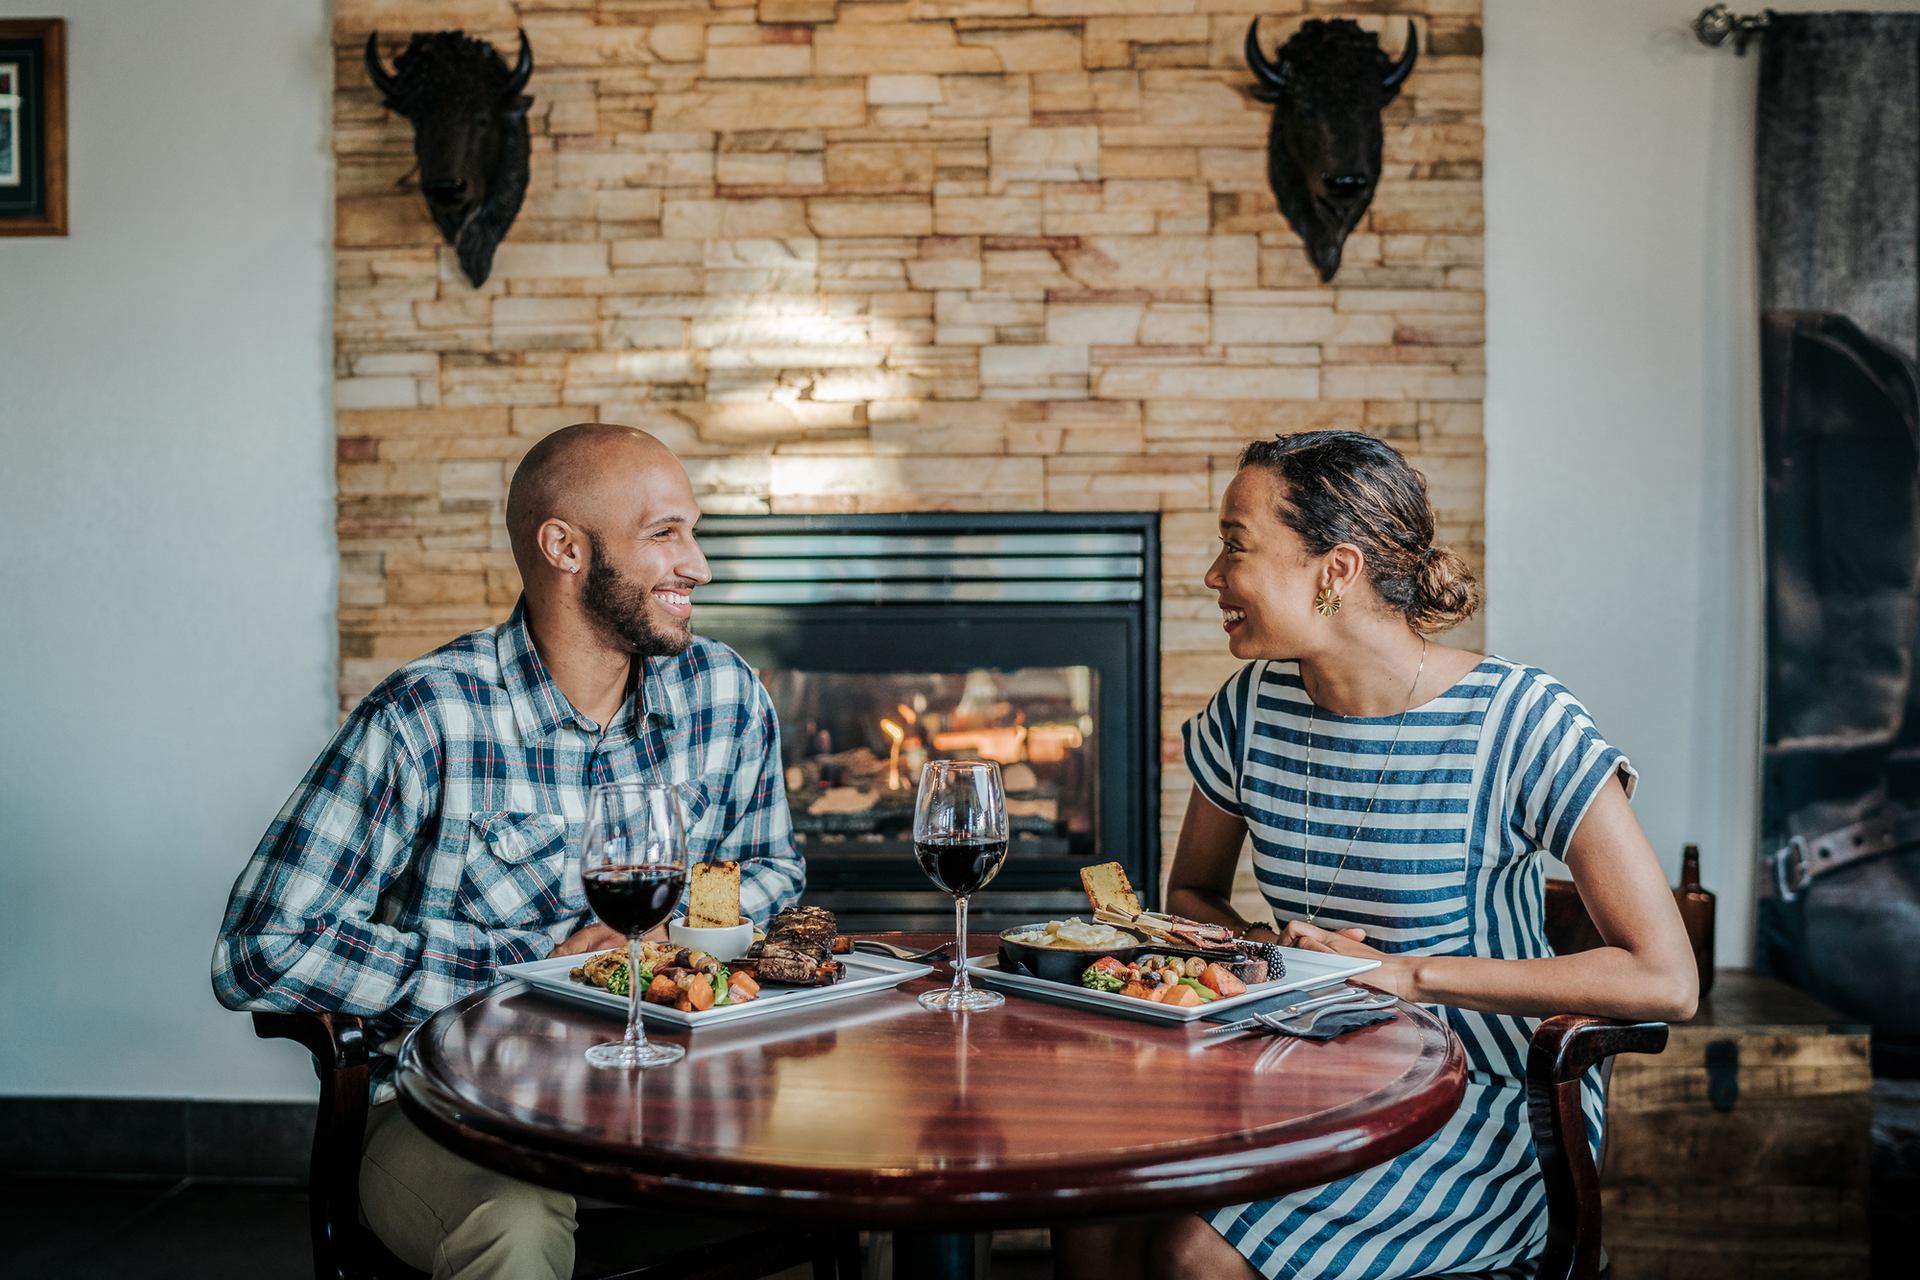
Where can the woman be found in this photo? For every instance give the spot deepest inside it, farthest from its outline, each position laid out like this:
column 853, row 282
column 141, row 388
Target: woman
column 1399, row 793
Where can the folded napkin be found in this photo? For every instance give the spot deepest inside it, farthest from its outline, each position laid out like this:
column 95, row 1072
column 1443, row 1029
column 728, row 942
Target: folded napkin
column 1330, row 1024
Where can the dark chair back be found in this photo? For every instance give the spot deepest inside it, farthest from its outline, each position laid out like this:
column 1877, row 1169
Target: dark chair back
column 1569, row 928
column 1564, row 1048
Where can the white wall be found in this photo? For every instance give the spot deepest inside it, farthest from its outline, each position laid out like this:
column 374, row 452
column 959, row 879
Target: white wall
column 1623, row 455
column 166, row 656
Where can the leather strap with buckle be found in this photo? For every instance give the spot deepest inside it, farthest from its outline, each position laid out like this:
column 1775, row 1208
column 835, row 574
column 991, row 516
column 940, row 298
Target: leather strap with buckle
column 1804, row 859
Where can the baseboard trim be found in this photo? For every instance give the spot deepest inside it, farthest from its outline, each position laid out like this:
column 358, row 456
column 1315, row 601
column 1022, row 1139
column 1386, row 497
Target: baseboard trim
column 155, row 1138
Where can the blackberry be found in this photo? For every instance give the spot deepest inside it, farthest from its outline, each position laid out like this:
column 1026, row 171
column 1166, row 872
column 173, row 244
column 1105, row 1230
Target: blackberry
column 1271, row 953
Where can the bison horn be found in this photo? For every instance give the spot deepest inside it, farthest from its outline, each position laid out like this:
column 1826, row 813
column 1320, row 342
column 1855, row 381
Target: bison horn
column 386, row 84
column 521, row 69
column 1408, row 56
column 1273, row 77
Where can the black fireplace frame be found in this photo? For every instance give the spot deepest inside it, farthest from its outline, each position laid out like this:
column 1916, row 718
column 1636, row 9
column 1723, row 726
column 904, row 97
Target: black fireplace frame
column 1083, row 605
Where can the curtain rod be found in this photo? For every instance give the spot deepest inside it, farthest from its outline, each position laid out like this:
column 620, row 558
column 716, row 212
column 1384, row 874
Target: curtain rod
column 1717, row 24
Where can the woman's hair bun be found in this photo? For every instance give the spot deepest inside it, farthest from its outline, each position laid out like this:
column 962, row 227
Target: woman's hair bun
column 1445, row 592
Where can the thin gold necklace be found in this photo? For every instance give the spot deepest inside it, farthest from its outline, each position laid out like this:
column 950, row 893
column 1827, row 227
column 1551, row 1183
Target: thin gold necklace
column 1306, row 804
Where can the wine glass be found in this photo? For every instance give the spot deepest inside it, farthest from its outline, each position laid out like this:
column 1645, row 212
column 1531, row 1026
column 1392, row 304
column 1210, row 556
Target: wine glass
column 960, row 840
column 633, row 860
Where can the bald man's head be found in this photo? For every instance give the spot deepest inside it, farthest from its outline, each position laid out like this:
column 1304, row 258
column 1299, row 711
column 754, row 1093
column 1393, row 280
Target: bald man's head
column 576, row 475
column 601, row 519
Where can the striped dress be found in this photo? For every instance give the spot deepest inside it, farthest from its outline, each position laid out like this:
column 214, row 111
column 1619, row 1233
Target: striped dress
column 1498, row 768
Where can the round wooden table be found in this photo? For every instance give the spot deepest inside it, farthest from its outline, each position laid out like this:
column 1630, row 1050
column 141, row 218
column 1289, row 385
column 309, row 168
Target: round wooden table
column 877, row 1113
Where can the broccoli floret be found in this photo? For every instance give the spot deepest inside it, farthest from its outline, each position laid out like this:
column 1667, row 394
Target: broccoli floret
column 1099, row 981
column 617, row 980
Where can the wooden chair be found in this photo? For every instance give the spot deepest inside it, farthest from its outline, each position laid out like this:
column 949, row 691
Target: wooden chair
column 343, row 1249
column 1564, row 1048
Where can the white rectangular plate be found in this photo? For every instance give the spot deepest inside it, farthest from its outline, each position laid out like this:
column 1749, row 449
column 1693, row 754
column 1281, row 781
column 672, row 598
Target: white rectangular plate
column 1305, row 970
column 865, row 973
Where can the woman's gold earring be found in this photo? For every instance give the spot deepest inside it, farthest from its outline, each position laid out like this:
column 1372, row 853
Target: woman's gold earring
column 1326, row 604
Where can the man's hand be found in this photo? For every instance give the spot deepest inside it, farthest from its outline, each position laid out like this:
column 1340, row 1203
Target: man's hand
column 597, row 937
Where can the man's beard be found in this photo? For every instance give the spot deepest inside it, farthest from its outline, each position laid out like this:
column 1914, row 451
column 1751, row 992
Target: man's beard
column 619, row 604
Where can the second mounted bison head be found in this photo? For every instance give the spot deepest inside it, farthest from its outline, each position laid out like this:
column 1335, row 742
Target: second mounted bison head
column 1328, row 85
column 469, row 135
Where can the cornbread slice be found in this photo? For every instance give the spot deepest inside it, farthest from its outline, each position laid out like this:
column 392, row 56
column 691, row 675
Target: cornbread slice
column 715, row 899
column 1107, row 886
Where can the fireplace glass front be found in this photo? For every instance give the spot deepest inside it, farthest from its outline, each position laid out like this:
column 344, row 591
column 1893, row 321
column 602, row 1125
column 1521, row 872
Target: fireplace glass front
column 854, row 744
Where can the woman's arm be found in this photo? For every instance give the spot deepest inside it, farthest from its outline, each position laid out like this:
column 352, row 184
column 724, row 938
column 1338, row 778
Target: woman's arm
column 1201, row 884
column 1645, row 970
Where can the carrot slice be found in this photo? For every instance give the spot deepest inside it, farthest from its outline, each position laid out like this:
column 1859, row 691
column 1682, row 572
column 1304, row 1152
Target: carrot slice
column 700, row 992
column 1220, row 980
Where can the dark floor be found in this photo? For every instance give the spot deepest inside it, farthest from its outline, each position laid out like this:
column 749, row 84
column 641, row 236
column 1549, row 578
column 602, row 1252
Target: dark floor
column 188, row 1230
column 211, row 1230
column 221, row 1230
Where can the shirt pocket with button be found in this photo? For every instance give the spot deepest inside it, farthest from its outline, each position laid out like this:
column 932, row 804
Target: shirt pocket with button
column 516, row 873
column 703, row 810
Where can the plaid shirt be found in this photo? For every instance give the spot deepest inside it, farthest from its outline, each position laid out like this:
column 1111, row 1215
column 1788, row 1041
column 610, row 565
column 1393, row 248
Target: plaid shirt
column 433, row 840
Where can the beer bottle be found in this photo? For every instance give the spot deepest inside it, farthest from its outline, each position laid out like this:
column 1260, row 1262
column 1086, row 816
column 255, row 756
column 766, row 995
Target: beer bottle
column 1696, row 911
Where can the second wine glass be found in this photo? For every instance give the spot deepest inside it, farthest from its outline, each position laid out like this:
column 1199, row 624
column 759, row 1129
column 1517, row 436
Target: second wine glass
column 960, row 840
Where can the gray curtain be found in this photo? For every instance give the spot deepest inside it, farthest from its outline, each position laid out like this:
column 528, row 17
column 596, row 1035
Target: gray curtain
column 1838, row 169
column 1838, row 188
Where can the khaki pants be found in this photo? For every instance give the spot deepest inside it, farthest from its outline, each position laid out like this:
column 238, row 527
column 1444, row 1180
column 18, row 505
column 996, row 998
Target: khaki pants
column 442, row 1213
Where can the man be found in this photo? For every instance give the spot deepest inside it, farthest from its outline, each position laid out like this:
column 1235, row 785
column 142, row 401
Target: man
column 429, row 844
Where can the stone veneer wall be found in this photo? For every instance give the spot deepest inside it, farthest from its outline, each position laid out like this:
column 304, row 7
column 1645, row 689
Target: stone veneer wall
column 910, row 255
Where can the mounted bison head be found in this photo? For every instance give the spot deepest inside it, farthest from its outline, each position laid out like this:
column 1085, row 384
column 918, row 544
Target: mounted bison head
column 469, row 135
column 1327, row 85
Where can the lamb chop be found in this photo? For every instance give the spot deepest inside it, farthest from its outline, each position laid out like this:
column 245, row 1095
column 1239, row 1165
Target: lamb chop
column 798, row 949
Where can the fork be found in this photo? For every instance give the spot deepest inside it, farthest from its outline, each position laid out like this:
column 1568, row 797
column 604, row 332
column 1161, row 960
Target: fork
column 1344, row 996
column 878, row 947
column 1299, row 1024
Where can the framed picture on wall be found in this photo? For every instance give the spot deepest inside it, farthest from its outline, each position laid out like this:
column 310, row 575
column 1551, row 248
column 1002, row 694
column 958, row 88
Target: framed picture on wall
column 33, row 127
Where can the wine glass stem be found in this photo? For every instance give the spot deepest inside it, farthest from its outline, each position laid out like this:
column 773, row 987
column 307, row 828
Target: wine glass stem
column 961, row 985
column 636, row 1039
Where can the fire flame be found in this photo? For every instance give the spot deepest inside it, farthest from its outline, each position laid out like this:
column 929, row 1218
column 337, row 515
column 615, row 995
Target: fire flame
column 895, row 735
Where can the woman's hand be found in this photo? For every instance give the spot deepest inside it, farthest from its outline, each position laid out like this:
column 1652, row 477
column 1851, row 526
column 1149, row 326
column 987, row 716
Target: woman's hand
column 1395, row 976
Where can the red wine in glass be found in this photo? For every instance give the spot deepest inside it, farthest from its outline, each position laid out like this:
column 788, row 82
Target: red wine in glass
column 959, row 865
column 632, row 900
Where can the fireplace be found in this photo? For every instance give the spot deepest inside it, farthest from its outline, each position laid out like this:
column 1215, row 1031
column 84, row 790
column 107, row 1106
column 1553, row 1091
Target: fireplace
column 888, row 640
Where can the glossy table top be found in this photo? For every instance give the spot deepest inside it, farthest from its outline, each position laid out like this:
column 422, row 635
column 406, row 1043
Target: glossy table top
column 877, row 1112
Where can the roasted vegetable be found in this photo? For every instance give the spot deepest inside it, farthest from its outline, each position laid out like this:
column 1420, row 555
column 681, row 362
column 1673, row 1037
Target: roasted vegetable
column 618, row 985
column 1221, row 981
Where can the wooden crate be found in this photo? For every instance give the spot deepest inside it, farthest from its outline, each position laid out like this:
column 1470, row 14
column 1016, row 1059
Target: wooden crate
column 1770, row 1179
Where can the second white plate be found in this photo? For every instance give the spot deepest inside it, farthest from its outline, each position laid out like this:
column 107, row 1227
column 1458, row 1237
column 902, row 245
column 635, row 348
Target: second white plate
column 1305, row 970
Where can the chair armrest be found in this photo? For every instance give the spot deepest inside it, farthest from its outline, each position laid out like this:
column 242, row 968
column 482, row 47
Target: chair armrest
column 1563, row 1050
column 1566, row 1047
column 338, row 1043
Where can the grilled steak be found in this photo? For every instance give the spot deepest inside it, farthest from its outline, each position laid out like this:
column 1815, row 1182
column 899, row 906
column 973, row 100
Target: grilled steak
column 798, row 948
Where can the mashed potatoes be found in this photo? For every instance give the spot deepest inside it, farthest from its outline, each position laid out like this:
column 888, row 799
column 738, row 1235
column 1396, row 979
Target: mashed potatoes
column 1075, row 934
